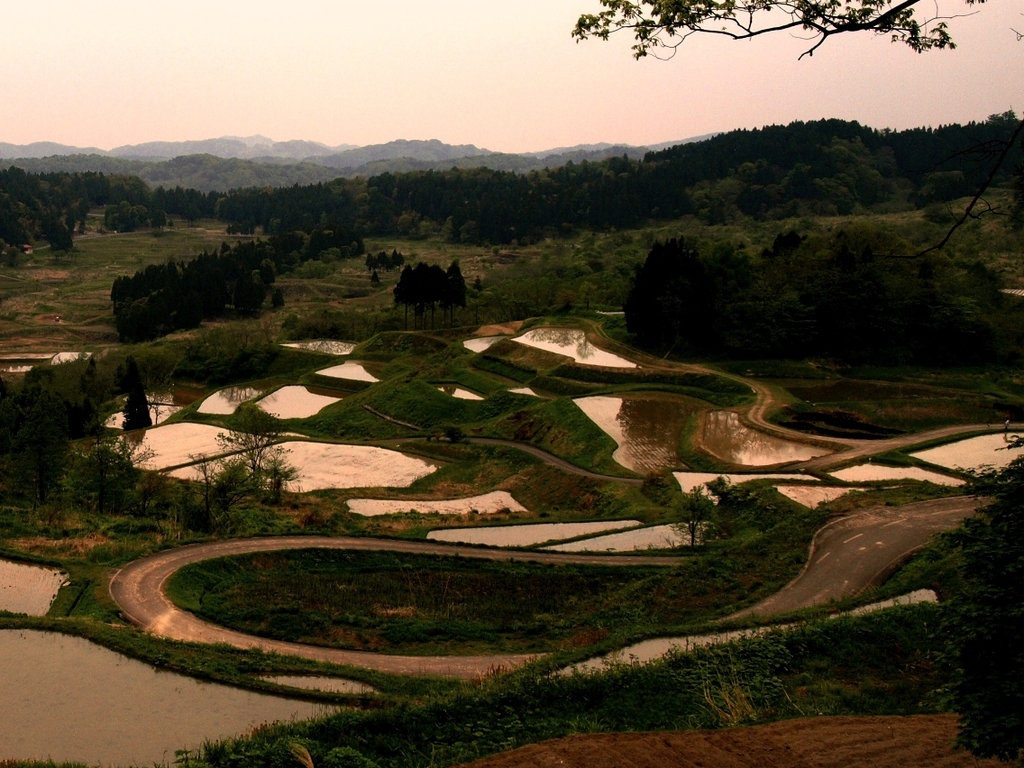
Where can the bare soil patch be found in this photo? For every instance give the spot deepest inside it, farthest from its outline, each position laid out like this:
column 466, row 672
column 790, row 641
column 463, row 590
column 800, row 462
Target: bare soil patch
column 923, row 741
column 504, row 329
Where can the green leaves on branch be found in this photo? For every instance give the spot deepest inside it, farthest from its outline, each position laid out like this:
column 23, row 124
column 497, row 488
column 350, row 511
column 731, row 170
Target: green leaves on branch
column 665, row 24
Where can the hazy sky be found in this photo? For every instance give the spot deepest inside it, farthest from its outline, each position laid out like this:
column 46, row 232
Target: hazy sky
column 501, row 74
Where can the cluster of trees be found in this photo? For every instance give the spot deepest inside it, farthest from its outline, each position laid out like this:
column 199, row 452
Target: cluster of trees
column 125, row 217
column 56, row 454
column 179, row 295
column 52, row 206
column 428, row 285
column 58, row 404
column 856, row 296
column 385, row 261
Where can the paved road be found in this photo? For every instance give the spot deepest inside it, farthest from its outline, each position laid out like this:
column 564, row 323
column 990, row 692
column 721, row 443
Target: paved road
column 138, row 589
column 860, row 550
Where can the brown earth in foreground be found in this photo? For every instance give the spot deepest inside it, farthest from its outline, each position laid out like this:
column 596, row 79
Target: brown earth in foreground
column 923, row 741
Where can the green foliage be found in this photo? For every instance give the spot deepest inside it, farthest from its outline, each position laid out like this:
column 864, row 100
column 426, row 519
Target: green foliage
column 881, row 664
column 853, row 296
column 504, row 368
column 986, row 621
column 34, row 434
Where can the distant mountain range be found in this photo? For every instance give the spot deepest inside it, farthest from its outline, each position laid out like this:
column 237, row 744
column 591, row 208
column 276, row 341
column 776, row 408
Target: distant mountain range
column 231, row 162
column 245, row 148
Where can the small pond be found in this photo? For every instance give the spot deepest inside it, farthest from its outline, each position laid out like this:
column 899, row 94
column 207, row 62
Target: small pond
column 646, row 428
column 225, row 401
column 28, row 588
column 690, row 480
column 325, row 346
column 723, row 435
column 350, row 371
column 481, row 343
column 572, row 343
column 869, row 473
column 655, row 537
column 66, row 699
column 459, row 393
column 488, row 503
column 295, row 402
column 526, row 535
column 974, row 453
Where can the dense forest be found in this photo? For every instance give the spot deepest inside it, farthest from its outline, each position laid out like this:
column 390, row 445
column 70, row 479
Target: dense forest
column 814, row 168
column 166, row 297
column 856, row 296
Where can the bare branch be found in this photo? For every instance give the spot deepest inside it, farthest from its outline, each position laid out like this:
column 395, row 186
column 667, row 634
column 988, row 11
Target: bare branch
column 969, row 213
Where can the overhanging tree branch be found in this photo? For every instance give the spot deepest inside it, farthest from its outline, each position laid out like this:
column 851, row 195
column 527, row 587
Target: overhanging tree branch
column 969, row 213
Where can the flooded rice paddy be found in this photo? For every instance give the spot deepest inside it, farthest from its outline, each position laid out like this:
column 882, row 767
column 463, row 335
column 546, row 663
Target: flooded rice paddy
column 688, row 481
column 974, row 453
column 459, row 393
column 350, row 371
column 723, row 435
column 524, row 391
column 28, row 588
column 295, row 402
column 158, row 413
column 69, row 357
column 646, row 428
column 869, row 473
column 572, row 343
column 810, row 496
column 655, row 537
column 325, row 466
column 172, row 445
column 326, row 684
column 225, row 401
column 526, row 535
column 326, row 346
column 650, row 650
column 482, row 343
column 328, row 465
column 66, row 699
column 487, row 504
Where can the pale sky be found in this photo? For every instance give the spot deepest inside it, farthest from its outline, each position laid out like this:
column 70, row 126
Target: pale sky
column 501, row 74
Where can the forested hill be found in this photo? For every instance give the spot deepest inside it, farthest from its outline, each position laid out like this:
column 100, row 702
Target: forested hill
column 824, row 167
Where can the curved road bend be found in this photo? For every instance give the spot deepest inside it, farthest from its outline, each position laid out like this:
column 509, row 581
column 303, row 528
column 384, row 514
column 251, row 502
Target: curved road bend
column 138, row 589
column 859, row 551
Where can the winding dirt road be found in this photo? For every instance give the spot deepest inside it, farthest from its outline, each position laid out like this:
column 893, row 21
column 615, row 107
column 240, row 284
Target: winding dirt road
column 847, row 556
column 139, row 591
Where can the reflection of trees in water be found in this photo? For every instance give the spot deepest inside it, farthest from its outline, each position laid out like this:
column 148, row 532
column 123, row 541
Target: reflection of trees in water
column 565, row 338
column 726, row 437
column 651, row 429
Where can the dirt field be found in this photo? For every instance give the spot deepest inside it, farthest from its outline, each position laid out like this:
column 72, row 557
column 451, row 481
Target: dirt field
column 823, row 742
